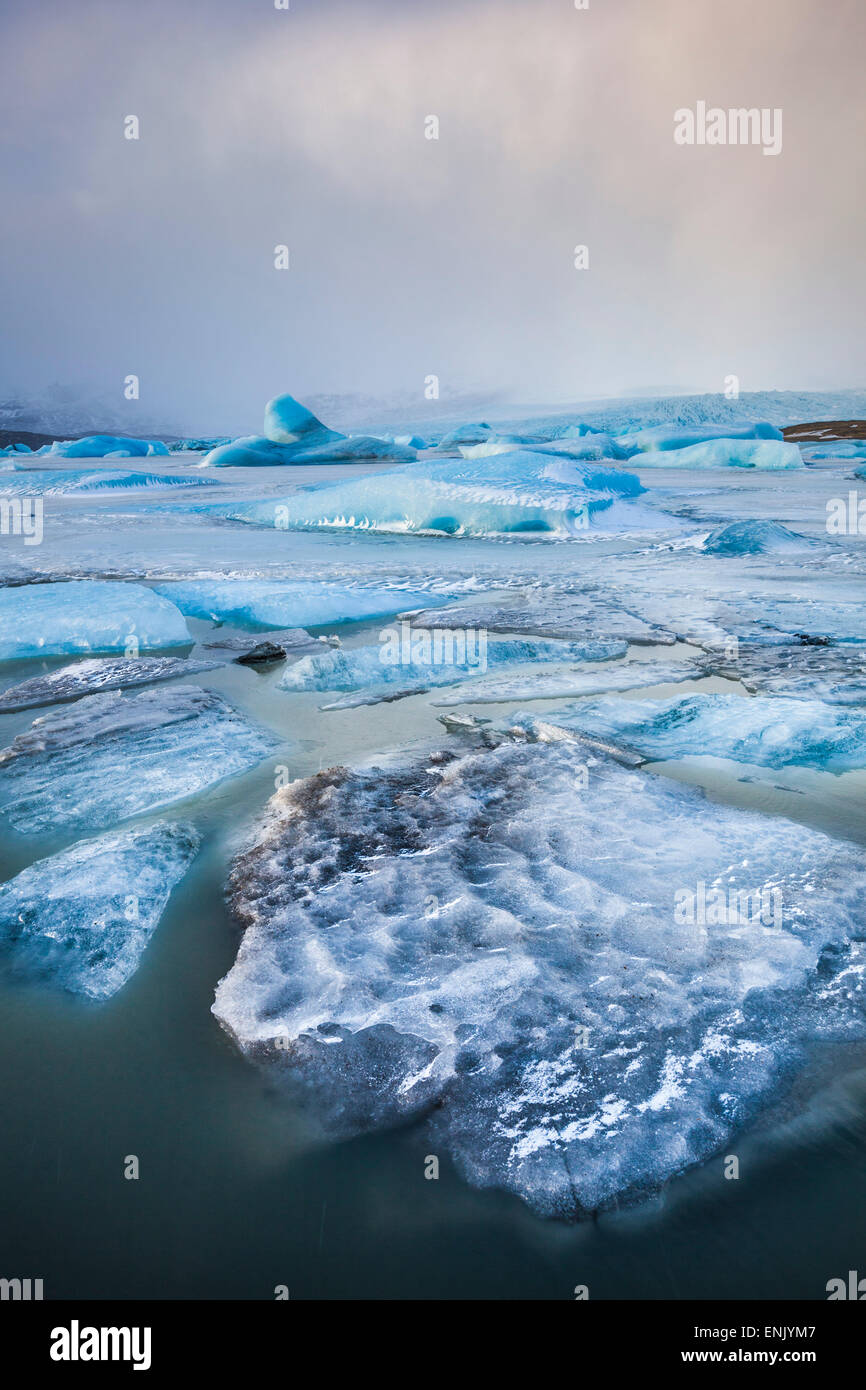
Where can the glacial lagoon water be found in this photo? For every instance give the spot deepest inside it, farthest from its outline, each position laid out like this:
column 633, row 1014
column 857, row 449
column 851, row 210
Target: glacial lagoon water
column 236, row 1192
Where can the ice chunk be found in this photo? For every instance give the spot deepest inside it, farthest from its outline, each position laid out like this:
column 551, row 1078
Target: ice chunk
column 425, row 658
column 834, row 674
column 67, row 482
column 766, row 731
column 556, row 685
column 589, row 446
column 754, row 538
column 91, row 677
column 111, row 756
column 665, row 437
column 289, row 422
column 463, row 434
column 293, row 641
column 842, row 449
column 83, row 918
column 577, row 617
column 511, row 493
column 256, row 452
column 95, row 446
column 263, row 604
column 500, row 942
column 725, row 453
column 86, row 616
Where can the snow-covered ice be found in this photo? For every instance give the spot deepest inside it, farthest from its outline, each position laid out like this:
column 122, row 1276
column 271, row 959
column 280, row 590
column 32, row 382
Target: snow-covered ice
column 559, row 684
column 492, row 941
column 264, row 604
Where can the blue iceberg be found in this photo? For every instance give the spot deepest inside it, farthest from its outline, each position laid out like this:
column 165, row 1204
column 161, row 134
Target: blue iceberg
column 724, row 453
column 660, row 438
column 82, row 919
column 294, row 435
column 754, row 538
column 767, row 731
column 86, row 616
column 95, row 446
column 267, row 603
column 511, row 493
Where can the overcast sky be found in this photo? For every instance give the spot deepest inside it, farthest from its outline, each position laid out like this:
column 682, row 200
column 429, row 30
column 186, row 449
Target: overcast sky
column 410, row 256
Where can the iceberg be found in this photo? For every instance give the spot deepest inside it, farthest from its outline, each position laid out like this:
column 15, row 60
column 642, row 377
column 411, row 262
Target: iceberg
column 268, row 603
column 765, row 731
column 95, row 446
column 86, row 616
column 659, row 438
column 253, row 451
column 844, row 449
column 755, row 538
column 725, row 453
column 493, row 943
column 425, row 658
column 81, row 920
column 590, row 446
column 508, row 494
column 91, row 677
column 462, row 434
column 289, row 422
column 112, row 756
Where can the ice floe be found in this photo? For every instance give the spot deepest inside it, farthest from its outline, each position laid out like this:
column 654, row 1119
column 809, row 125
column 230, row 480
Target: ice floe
column 724, row 453
column 86, row 616
column 264, row 604
column 112, row 756
column 91, row 677
column 495, row 942
column 81, row 920
column 764, row 730
column 558, row 684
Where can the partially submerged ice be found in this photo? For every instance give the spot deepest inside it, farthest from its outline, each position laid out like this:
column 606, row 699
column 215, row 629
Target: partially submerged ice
column 86, row 616
column 112, row 756
column 81, row 920
column 665, row 437
column 94, row 446
column 517, row 492
column 834, row 674
column 724, row 453
column 764, row 730
column 91, row 677
column 492, row 942
column 755, row 538
column 590, row 614
column 424, row 658
column 268, row 603
column 558, row 684
column 294, row 435
column 70, row 482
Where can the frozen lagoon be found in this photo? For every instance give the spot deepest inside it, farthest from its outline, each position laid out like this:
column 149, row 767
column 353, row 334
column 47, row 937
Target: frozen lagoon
column 665, row 582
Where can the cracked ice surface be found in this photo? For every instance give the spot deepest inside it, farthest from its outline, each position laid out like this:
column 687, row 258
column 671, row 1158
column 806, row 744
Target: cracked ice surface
column 490, row 941
column 83, row 918
column 111, row 756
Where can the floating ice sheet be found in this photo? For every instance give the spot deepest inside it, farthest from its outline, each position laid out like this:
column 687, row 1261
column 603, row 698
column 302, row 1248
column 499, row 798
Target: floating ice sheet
column 82, row 919
column 263, row 604
column 558, row 684
column 766, row 731
column 493, row 941
column 86, row 616
column 422, row 659
column 91, row 677
column 112, row 756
